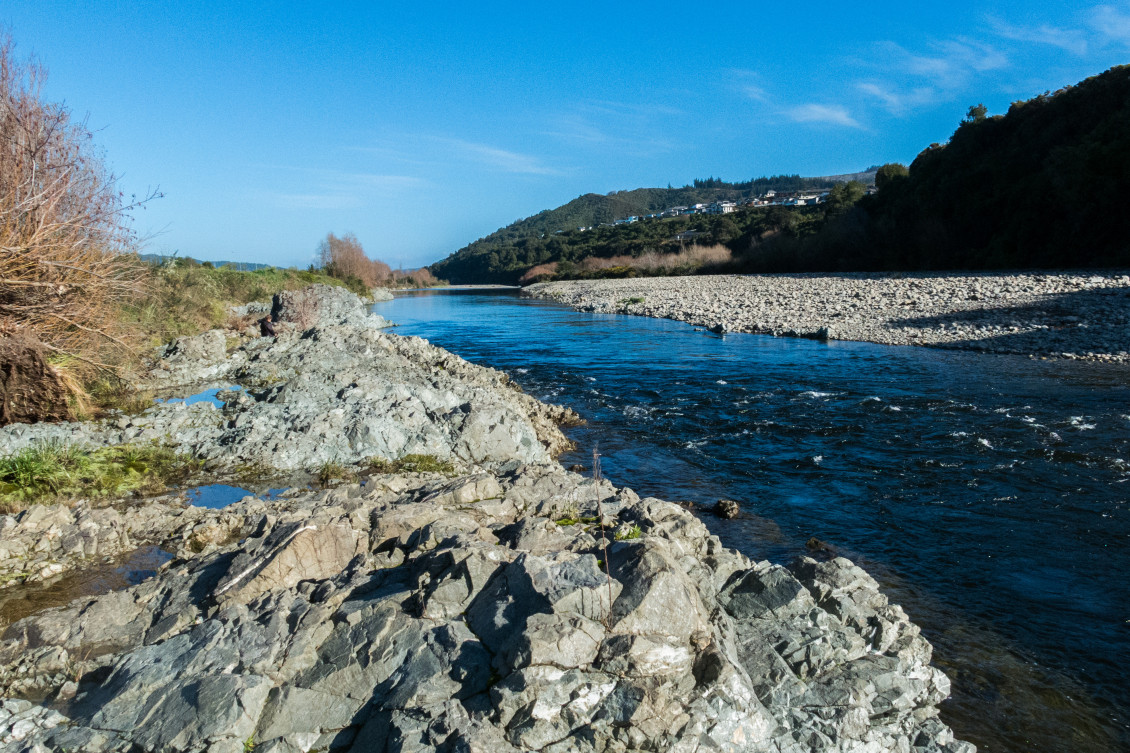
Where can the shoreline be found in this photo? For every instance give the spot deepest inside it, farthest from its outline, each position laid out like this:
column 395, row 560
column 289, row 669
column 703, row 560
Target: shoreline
column 1065, row 314
column 474, row 607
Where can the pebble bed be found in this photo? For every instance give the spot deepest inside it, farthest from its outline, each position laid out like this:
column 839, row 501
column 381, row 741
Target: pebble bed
column 1071, row 315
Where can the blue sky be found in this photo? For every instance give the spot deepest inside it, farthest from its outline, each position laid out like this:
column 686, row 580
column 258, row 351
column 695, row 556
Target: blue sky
column 423, row 126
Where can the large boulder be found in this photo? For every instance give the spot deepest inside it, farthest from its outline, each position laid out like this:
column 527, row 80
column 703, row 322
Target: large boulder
column 317, row 306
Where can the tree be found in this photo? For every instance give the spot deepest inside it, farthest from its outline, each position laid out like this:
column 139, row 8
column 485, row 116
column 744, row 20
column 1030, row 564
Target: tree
column 843, row 197
column 889, row 173
column 66, row 265
column 344, row 258
column 976, row 113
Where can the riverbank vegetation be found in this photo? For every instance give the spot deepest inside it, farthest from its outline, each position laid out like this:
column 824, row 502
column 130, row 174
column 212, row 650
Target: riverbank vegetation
column 79, row 307
column 344, row 259
column 58, row 471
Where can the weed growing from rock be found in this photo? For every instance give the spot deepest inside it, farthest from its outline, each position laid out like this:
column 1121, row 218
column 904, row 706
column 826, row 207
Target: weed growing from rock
column 412, row 464
column 627, row 533
column 332, row 471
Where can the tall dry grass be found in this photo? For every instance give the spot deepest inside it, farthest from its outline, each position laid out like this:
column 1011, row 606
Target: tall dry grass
column 65, row 235
column 652, row 262
column 649, row 263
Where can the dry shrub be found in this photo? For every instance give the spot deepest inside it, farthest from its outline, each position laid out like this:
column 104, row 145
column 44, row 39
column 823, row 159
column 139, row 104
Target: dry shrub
column 423, row 277
column 65, row 235
column 690, row 259
column 415, row 278
column 344, row 258
column 540, row 272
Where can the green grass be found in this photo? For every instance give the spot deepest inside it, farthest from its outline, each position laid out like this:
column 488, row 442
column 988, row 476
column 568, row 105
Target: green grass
column 332, row 471
column 55, row 470
column 185, row 298
column 412, row 464
column 572, row 520
column 632, row 533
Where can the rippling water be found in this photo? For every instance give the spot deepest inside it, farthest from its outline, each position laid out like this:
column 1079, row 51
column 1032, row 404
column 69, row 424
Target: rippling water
column 987, row 493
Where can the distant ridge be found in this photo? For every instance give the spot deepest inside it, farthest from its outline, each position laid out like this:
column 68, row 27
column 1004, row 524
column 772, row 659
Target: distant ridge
column 472, row 263
column 242, row 266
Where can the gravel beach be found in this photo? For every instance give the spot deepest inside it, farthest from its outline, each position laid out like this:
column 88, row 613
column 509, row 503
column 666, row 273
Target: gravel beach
column 1074, row 315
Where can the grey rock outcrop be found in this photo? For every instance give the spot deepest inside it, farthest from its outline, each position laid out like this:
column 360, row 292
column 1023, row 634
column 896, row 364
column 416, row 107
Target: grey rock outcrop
column 341, row 391
column 409, row 614
column 417, row 612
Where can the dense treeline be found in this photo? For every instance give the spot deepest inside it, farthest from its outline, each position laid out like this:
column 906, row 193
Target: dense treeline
column 505, row 254
column 1043, row 186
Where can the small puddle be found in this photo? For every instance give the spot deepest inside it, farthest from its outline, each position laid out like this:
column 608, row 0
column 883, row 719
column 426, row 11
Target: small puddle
column 129, row 570
column 201, row 397
column 216, row 496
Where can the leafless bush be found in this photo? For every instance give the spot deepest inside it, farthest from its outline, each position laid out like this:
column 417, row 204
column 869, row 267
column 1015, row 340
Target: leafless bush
column 652, row 262
column 344, row 257
column 536, row 273
column 417, row 278
column 64, row 226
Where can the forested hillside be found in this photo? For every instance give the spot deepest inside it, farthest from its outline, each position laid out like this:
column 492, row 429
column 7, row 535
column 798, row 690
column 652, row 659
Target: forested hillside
column 505, row 254
column 1042, row 186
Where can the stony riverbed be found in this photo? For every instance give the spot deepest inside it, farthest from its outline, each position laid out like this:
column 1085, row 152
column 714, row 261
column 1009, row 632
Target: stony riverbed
column 478, row 609
column 1078, row 315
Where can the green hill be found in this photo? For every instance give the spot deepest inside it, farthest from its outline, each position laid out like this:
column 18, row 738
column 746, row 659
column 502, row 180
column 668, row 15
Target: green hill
column 506, row 253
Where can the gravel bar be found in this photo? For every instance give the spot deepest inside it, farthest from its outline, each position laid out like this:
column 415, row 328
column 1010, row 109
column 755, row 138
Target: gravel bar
column 1071, row 315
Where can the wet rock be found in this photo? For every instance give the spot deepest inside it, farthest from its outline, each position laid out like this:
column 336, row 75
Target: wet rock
column 414, row 614
column 727, row 508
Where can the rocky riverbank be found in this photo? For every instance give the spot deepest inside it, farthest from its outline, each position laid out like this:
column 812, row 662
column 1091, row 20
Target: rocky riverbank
column 478, row 609
column 1057, row 315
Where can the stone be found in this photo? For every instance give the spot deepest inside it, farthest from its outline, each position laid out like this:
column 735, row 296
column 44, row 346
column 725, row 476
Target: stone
column 727, row 508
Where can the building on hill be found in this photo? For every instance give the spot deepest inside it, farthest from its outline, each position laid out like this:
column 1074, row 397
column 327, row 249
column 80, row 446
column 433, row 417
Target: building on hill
column 688, row 235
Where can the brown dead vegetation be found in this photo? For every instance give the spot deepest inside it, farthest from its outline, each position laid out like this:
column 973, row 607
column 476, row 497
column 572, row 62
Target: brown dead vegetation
column 344, row 258
column 65, row 238
column 649, row 263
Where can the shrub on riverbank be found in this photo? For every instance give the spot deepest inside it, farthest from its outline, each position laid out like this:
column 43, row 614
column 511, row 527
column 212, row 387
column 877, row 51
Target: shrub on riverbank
column 693, row 260
column 56, row 470
column 185, row 298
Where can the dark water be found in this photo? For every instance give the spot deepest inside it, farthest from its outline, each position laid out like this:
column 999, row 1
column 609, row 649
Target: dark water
column 987, row 493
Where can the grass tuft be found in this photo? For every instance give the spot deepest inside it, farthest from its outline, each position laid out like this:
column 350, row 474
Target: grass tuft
column 52, row 471
column 628, row 534
column 332, row 471
column 412, row 464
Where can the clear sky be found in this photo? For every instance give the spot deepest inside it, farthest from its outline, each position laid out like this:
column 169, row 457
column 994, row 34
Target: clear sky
column 423, row 126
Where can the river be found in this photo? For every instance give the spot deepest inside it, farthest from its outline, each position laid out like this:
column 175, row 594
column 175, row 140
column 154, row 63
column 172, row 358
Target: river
column 986, row 493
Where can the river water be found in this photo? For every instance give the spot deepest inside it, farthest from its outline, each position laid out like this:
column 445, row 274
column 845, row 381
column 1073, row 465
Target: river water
column 988, row 494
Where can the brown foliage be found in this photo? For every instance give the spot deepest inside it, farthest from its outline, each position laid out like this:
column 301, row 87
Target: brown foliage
column 64, row 230
column 30, row 390
column 344, row 257
column 538, row 273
